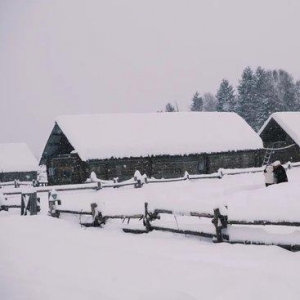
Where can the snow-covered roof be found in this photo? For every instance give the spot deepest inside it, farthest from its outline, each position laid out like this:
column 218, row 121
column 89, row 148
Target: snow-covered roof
column 104, row 136
column 289, row 121
column 17, row 157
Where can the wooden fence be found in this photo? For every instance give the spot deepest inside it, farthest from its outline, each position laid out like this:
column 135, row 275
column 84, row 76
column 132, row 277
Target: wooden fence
column 29, row 204
column 220, row 223
column 137, row 181
column 227, row 223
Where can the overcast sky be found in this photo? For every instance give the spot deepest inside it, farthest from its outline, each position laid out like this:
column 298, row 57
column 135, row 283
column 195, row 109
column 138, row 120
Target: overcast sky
column 75, row 56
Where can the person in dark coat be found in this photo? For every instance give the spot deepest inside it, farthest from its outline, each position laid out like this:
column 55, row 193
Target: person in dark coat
column 279, row 172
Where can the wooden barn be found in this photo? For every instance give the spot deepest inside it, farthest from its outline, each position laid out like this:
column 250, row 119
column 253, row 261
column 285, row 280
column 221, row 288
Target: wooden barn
column 17, row 162
column 157, row 144
column 282, row 131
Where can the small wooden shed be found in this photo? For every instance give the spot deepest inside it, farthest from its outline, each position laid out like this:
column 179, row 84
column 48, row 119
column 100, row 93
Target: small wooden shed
column 282, row 131
column 157, row 144
column 17, row 162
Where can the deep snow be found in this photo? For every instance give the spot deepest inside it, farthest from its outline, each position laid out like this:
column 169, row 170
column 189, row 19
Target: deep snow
column 46, row 258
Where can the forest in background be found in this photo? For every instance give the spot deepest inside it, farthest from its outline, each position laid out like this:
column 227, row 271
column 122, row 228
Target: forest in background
column 258, row 94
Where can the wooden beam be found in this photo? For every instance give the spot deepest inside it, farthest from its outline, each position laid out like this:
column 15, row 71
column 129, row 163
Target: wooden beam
column 74, row 212
column 292, row 247
column 262, row 222
column 186, row 232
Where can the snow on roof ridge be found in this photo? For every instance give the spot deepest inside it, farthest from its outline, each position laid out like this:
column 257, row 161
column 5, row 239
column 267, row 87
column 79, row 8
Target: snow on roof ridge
column 17, row 157
column 264, row 125
column 288, row 120
column 289, row 124
column 96, row 136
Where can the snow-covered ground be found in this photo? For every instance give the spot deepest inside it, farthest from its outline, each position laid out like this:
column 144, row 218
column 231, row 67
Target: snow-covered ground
column 46, row 258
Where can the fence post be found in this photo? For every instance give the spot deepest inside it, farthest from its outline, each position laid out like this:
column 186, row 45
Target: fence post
column 98, row 219
column 38, row 203
column 52, row 201
column 33, row 204
column 217, row 222
column 186, row 175
column 137, row 178
column 138, row 184
column 29, row 202
column 99, row 186
column 220, row 173
column 116, row 180
column 2, row 205
column 23, row 208
column 146, row 219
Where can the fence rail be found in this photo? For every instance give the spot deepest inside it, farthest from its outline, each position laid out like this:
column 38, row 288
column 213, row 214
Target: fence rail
column 137, row 181
column 218, row 232
column 219, row 221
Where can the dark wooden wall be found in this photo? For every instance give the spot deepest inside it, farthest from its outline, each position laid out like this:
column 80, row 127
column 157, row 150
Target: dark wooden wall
column 233, row 160
column 291, row 154
column 274, row 133
column 22, row 176
column 68, row 169
column 175, row 166
column 122, row 168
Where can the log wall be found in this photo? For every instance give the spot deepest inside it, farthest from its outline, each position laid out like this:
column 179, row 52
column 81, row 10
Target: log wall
column 71, row 170
column 22, row 176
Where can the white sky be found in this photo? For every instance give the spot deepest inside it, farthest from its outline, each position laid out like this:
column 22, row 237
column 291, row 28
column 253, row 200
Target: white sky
column 73, row 56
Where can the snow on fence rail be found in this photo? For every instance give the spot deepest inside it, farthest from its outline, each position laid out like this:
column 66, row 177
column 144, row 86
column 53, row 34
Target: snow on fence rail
column 97, row 184
column 17, row 183
column 219, row 228
column 137, row 181
column 239, row 235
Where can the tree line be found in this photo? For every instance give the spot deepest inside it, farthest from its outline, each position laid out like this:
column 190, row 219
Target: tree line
column 259, row 93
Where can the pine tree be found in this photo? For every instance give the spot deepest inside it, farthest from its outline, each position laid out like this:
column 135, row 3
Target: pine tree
column 226, row 100
column 264, row 96
column 286, row 91
column 209, row 102
column 246, row 105
column 169, row 108
column 297, row 95
column 276, row 103
column 197, row 103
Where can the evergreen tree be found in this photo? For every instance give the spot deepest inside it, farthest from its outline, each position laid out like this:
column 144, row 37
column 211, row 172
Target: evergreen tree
column 197, row 103
column 209, row 102
column 247, row 104
column 297, row 95
column 265, row 94
column 286, row 91
column 169, row 108
column 276, row 103
column 226, row 100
